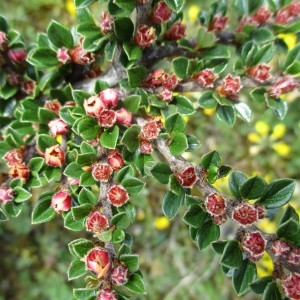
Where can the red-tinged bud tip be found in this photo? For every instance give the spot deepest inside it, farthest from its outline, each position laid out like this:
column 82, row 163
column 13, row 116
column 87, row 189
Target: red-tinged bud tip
column 123, row 116
column 115, row 159
column 150, row 130
column 175, row 32
column 17, row 56
column 262, row 15
column 96, row 222
column 259, row 72
column 119, row 275
column 291, row 286
column 145, row 36
column 160, row 13
column 145, row 146
column 283, row 85
column 54, row 156
column 215, row 205
column 81, row 57
column 117, row 195
column 14, row 156
column 61, row 201
column 109, row 98
column 107, row 118
column 205, row 77
column 93, row 106
column 254, row 244
column 98, row 261
column 53, row 105
column 245, row 214
column 102, row 171
column 63, row 55
column 3, row 41
column 106, row 22
column 107, row 294
column 218, row 23
column 186, row 177
column 58, row 126
column 19, row 171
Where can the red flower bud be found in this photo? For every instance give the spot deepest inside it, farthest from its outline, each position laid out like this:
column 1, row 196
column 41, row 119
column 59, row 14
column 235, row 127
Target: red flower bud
column 145, row 147
column 230, row 86
column 283, row 16
column 293, row 257
column 109, row 98
column 283, row 85
column 261, row 210
column 205, row 77
column 28, row 87
column 280, row 248
column 294, row 9
column 14, row 79
column 93, row 106
column 259, row 72
column 106, row 22
column 115, row 159
column 119, row 275
column 123, row 116
column 166, row 95
column 155, row 78
column 175, row 32
column 150, row 131
column 53, row 105
column 19, row 171
column 170, row 81
column 160, row 13
column 54, row 156
column 215, row 205
column 107, row 294
column 117, row 195
column 254, row 244
column 58, row 126
column 98, row 261
column 186, row 177
column 17, row 56
column 73, row 181
column 63, row 55
column 107, row 118
column 14, row 156
column 218, row 23
column 262, row 15
column 145, row 36
column 245, row 214
column 61, row 201
column 81, row 57
column 102, row 171
column 249, row 20
column 96, row 222
column 3, row 41
column 6, row 195
column 218, row 220
column 291, row 286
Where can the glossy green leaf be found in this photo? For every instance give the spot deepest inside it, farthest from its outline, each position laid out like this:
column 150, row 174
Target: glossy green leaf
column 195, row 216
column 133, row 185
column 290, row 231
column 43, row 57
column 178, row 143
column 83, row 3
column 289, row 213
column 88, row 128
column 236, row 180
column 87, row 197
column 207, row 233
column 59, row 35
column 161, row 172
column 131, row 138
column 73, row 170
column 205, row 39
column 219, row 246
column 136, row 75
column 135, row 284
column 175, row 123
column 81, row 211
column 210, row 159
column 45, row 141
column 175, row 5
column 71, row 224
column 226, row 114
column 170, row 205
column 180, row 67
column 123, row 28
column 243, row 111
column 131, row 261
column 260, row 284
column 132, row 103
column 3, row 217
column 253, row 188
column 232, row 255
column 43, row 212
column 207, row 100
column 21, row 194
column 80, row 247
column 121, row 220
column 184, row 105
column 84, row 294
column 109, row 137
column 76, row 269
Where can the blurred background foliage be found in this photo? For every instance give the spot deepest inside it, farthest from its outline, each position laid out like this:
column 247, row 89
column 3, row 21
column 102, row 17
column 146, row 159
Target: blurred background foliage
column 34, row 259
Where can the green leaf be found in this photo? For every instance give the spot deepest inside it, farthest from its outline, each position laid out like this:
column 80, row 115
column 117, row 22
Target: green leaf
column 211, row 159
column 80, row 96
column 258, row 95
column 81, row 211
column 131, row 138
column 121, row 220
column 83, row 3
column 161, row 172
column 217, row 52
column 109, row 137
column 87, row 179
column 89, row 30
column 171, row 204
column 4, row 26
column 136, row 75
column 87, row 197
column 133, row 52
column 123, row 28
column 131, row 261
column 180, row 66
column 226, row 114
column 205, row 39
column 272, row 292
column 118, row 235
column 46, row 115
column 71, row 224
column 243, row 111
column 8, row 91
column 178, row 144
column 195, row 216
column 21, row 194
column 43, row 57
column 76, row 269
column 184, row 105
column 193, row 142
column 175, row 123
column 260, row 284
column 232, row 255
column 236, row 180
column 45, row 141
column 59, row 35
column 292, row 63
column 243, row 276
column 290, row 213
column 84, row 294
column 290, row 231
column 12, row 209
column 80, row 247
column 219, row 246
column 86, row 159
column 207, row 100
column 262, row 36
column 42, row 211
column 3, row 217
column 175, row 5
column 88, row 128
column 208, row 233
column 73, row 170
column 87, row 148
column 133, row 186
column 132, row 103
column 253, row 188
column 278, row 106
column 278, row 193
column 135, row 284
column 264, row 54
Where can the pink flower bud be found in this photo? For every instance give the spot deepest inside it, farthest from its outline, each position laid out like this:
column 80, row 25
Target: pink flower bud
column 280, row 248
column 102, row 171
column 230, row 86
column 218, row 23
column 155, row 78
column 119, row 275
column 175, row 32
column 261, row 210
column 166, row 95
column 81, row 57
column 160, row 13
column 109, row 98
column 73, row 181
column 245, row 214
column 145, row 36
column 291, row 286
column 283, row 16
column 98, row 261
column 17, row 56
column 117, row 195
column 3, row 41
column 96, row 222
column 61, row 201
column 14, row 79
column 145, row 147
column 123, row 116
column 218, row 220
column 58, row 126
column 262, row 15
column 107, row 294
column 215, row 205
column 294, row 9
column 63, row 55
column 14, row 156
column 107, row 118
column 28, row 86
column 283, row 85
column 205, row 77
column 249, row 20
column 170, row 81
column 150, row 131
column 6, row 195
column 259, row 72
column 93, row 106
column 19, row 170
column 186, row 177
column 54, row 156
column 293, row 257
column 254, row 244
column 106, row 22
column 53, row 105
column 115, row 159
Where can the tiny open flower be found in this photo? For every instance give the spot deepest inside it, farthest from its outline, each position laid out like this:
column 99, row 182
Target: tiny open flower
column 14, row 156
column 107, row 294
column 102, row 171
column 19, row 171
column 215, row 204
column 145, row 146
column 63, row 55
column 6, row 195
column 80, row 56
column 107, row 118
column 109, row 98
column 115, row 159
column 3, row 41
column 93, row 105
column 170, row 81
column 280, row 248
column 186, row 177
column 262, row 15
column 123, row 116
column 218, row 23
column 61, row 201
column 53, row 105
column 58, row 126
column 28, row 86
column 245, row 214
column 230, row 86
column 205, row 77
column 283, row 85
column 96, row 222
column 175, row 32
column 254, row 244
column 150, row 131
column 160, row 13
column 98, row 261
column 145, row 36
column 119, row 275
column 54, row 156
column 16, row 56
column 106, row 22
column 166, row 95
column 283, row 16
column 117, row 195
column 218, row 220
column 155, row 78
column 259, row 72
column 291, row 286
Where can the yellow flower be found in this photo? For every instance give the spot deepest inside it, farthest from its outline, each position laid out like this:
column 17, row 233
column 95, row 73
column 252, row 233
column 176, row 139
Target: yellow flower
column 209, row 111
column 253, row 137
column 283, row 149
column 262, row 128
column 59, row 138
column 289, row 38
column 278, row 132
column 265, row 266
column 70, row 7
column 193, row 12
column 161, row 223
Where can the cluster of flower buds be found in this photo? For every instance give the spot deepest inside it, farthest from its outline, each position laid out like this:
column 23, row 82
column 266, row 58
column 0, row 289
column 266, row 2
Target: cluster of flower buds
column 102, row 107
column 80, row 56
column 106, row 22
column 187, row 177
column 96, row 222
column 149, row 132
column 145, row 36
column 215, row 205
column 160, row 12
column 282, row 250
column 230, row 87
column 245, row 214
column 205, row 77
column 291, row 285
column 259, row 72
column 54, row 156
column 53, row 105
column 117, row 195
column 6, row 195
column 254, row 244
column 287, row 14
column 61, row 201
column 218, row 23
column 283, row 85
column 175, row 32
